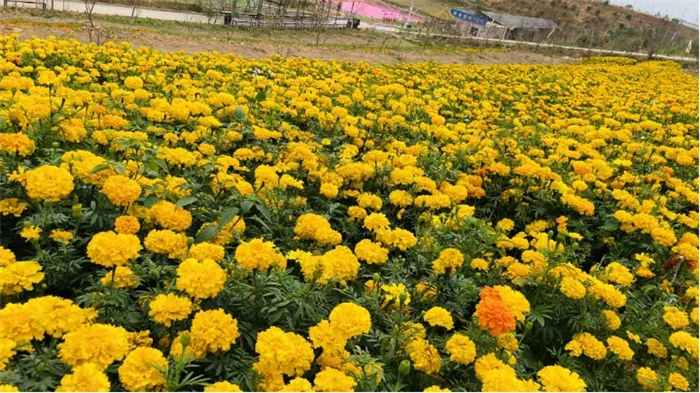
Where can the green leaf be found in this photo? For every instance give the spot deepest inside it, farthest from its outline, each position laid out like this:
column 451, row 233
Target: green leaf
column 99, row 168
column 207, row 233
column 239, row 114
column 227, row 216
column 260, row 97
column 245, row 206
column 151, row 200
column 262, row 208
column 188, row 200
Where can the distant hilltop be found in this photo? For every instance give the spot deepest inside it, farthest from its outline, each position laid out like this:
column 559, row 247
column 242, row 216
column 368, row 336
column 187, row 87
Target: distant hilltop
column 568, row 14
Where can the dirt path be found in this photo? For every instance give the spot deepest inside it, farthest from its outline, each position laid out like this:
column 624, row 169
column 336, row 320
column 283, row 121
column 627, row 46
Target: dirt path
column 346, row 45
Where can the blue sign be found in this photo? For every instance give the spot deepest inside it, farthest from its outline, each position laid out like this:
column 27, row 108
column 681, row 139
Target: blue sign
column 469, row 17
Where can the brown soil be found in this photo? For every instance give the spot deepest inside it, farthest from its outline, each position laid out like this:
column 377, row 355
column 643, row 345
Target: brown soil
column 338, row 45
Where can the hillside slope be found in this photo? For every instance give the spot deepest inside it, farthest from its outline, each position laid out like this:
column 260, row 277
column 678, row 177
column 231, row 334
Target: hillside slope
column 587, row 14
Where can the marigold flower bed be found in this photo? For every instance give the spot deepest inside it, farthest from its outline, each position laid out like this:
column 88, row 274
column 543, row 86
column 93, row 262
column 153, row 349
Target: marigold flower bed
column 207, row 222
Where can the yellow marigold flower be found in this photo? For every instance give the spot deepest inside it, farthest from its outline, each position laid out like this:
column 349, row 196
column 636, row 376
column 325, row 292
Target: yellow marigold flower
column 678, row 381
column 85, row 378
column 370, row 201
column 223, row 386
column 425, row 356
column 620, row 347
column 676, row 318
column 560, row 379
column 121, row 190
column 436, row 388
column 656, row 348
column 323, row 335
column 612, row 320
column 204, row 250
column 339, row 263
column 438, row 316
column 634, row 337
column 586, row 343
column 61, row 236
column 392, row 294
column 682, row 363
column 168, row 308
column 206, row 149
column 55, row 316
column 607, row 292
column 7, row 257
column 685, row 341
column 166, row 242
column 98, row 344
column 141, row 370
column 282, row 353
column 376, row 221
column 126, row 225
column 572, row 288
column 332, row 380
column 166, row 215
column 213, row 331
column 479, row 264
column 7, row 351
column 140, row 339
column 507, row 341
column 369, row 370
column 665, row 237
column 506, row 225
column 356, row 213
column 272, row 382
column 31, row 233
column 111, row 249
column 371, row 252
column 48, row 183
column 461, row 349
column 449, row 258
column 124, row 277
column 488, row 362
column 694, row 315
column 397, row 238
column 259, row 254
column 515, row 301
column 618, row 274
column 400, row 198
column 8, row 388
column 505, row 379
column 18, row 143
column 314, row 227
column 426, row 291
column 12, row 206
column 561, row 222
column 133, row 82
column 647, row 378
column 350, row 320
column 328, row 190
column 200, row 280
column 19, row 276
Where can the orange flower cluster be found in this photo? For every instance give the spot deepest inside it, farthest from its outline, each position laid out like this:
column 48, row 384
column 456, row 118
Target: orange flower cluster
column 493, row 313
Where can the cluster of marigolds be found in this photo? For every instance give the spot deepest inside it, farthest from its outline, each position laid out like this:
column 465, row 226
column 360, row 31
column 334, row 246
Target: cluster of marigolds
column 189, row 222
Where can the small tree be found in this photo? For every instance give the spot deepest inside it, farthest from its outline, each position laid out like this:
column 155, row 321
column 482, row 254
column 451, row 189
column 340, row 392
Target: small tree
column 319, row 12
column 134, row 4
column 655, row 38
column 94, row 33
column 89, row 8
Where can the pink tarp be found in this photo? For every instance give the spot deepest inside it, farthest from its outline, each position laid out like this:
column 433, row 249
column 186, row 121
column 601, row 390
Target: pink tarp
column 375, row 12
